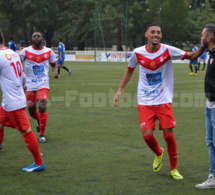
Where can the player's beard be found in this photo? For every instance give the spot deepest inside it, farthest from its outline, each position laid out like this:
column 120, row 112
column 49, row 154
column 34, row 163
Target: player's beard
column 155, row 44
column 37, row 43
column 205, row 43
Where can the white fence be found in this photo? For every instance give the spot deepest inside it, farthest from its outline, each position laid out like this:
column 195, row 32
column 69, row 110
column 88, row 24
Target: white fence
column 101, row 56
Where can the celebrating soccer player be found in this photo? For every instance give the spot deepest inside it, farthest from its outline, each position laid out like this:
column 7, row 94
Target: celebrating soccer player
column 155, row 93
column 12, row 110
column 37, row 58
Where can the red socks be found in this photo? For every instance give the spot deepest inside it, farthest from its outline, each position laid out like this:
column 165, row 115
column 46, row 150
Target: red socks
column 153, row 144
column 33, row 146
column 1, row 135
column 43, row 117
column 172, row 149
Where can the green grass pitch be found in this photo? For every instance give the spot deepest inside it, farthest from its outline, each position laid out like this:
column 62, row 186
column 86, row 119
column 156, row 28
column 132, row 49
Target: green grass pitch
column 94, row 148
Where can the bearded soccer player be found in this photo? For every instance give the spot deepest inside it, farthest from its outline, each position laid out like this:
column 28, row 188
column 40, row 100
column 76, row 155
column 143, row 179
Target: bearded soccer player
column 12, row 110
column 37, row 59
column 155, row 93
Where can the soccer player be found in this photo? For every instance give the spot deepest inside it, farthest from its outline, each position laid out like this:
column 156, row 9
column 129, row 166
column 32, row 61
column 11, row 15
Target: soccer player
column 37, row 58
column 12, row 44
column 155, row 93
column 208, row 41
column 61, row 57
column 203, row 58
column 193, row 62
column 12, row 110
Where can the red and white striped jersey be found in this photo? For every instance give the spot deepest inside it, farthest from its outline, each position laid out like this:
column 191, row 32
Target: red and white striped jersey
column 37, row 66
column 156, row 78
column 11, row 80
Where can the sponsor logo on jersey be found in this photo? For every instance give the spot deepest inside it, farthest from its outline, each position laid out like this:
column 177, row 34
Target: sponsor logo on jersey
column 154, row 92
column 38, row 70
column 154, row 79
column 36, row 80
column 8, row 56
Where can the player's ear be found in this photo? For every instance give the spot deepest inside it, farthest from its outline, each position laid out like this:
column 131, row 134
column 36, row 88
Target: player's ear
column 208, row 38
column 146, row 34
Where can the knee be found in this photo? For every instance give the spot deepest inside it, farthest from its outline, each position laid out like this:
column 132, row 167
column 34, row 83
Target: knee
column 25, row 131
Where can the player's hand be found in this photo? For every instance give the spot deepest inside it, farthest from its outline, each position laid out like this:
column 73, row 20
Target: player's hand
column 116, row 98
column 25, row 88
column 56, row 75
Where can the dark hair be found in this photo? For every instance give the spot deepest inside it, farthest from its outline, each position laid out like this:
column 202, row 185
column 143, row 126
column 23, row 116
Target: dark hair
column 11, row 38
column 38, row 32
column 1, row 37
column 210, row 30
column 60, row 39
column 152, row 25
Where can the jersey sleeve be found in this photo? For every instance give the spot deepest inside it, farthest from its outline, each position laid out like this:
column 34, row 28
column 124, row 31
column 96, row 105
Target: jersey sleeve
column 22, row 55
column 176, row 54
column 52, row 58
column 133, row 61
column 60, row 48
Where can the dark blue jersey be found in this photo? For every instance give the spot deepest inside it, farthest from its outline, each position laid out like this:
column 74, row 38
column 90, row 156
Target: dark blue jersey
column 12, row 45
column 61, row 48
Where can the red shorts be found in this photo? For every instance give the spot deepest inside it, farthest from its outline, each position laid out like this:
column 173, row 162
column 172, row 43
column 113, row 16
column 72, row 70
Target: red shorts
column 17, row 119
column 149, row 114
column 33, row 96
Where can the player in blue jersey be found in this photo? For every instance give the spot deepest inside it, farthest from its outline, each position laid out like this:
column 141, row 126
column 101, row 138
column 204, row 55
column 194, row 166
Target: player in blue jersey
column 12, row 44
column 195, row 62
column 61, row 57
column 203, row 58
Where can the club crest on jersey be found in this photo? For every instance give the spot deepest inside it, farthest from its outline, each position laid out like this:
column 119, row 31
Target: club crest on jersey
column 152, row 65
column 38, row 58
column 8, row 56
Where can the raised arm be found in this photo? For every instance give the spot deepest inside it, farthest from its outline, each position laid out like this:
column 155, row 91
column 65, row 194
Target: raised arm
column 127, row 76
column 194, row 55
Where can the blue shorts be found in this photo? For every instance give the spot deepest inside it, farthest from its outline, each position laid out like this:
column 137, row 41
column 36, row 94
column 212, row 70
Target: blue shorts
column 195, row 62
column 203, row 56
column 60, row 61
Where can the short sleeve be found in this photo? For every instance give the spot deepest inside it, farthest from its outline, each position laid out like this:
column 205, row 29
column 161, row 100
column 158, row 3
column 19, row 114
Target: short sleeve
column 176, row 54
column 133, row 61
column 22, row 55
column 52, row 58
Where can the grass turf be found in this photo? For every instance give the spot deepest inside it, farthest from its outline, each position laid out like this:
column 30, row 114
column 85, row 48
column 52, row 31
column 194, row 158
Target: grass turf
column 94, row 148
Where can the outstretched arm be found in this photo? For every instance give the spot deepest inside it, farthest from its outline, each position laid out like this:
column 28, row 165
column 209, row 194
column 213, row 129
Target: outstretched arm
column 127, row 76
column 194, row 55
